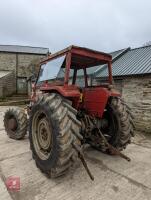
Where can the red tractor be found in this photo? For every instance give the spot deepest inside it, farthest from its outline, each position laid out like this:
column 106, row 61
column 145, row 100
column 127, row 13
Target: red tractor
column 64, row 116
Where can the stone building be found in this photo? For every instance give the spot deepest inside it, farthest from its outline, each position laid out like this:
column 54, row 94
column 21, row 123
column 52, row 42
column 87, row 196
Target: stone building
column 132, row 76
column 16, row 66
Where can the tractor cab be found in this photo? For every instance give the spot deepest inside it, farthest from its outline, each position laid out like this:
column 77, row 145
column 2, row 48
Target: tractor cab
column 67, row 73
column 70, row 65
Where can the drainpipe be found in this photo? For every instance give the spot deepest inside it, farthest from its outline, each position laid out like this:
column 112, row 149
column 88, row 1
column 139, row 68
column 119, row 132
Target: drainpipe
column 16, row 71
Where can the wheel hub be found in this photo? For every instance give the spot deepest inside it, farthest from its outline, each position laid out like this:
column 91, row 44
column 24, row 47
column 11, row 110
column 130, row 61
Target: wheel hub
column 42, row 135
column 12, row 124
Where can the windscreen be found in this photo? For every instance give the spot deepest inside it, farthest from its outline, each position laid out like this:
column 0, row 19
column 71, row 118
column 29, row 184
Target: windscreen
column 51, row 69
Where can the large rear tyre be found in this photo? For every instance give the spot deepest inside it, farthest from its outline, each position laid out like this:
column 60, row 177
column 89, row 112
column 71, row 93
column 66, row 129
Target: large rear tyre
column 15, row 123
column 120, row 127
column 53, row 128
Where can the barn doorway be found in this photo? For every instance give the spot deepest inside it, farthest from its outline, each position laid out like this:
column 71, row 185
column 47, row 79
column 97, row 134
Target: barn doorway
column 22, row 85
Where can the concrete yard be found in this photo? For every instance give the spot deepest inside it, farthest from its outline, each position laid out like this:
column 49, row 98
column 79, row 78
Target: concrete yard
column 115, row 178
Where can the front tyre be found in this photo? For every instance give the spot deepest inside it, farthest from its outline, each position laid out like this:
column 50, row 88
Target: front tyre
column 15, row 123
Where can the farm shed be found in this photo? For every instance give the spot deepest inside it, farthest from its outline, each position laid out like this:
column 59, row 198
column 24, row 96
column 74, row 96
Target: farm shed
column 20, row 60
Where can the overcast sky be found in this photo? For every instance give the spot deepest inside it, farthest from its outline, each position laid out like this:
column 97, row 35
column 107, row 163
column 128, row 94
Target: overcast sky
column 104, row 25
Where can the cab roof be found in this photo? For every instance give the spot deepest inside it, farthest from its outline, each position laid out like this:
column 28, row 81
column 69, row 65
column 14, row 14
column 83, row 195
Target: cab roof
column 81, row 57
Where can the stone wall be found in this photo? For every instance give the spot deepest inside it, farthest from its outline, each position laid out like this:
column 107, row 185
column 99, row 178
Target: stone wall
column 25, row 64
column 7, row 85
column 137, row 93
column 8, row 61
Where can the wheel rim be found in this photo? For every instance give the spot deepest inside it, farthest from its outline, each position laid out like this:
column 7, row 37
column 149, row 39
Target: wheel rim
column 42, row 135
column 112, row 125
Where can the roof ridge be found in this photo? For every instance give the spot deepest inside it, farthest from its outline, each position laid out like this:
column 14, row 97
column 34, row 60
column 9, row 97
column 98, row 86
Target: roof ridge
column 6, row 45
column 141, row 47
column 119, row 50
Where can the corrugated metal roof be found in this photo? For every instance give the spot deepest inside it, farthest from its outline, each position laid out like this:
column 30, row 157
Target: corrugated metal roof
column 23, row 49
column 134, row 62
column 4, row 73
column 115, row 55
column 95, row 69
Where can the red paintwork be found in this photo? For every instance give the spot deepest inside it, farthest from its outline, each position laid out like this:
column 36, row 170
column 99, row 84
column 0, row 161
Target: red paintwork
column 94, row 98
column 69, row 91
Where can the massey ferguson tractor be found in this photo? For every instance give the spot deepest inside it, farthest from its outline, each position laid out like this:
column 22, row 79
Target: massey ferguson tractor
column 65, row 116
